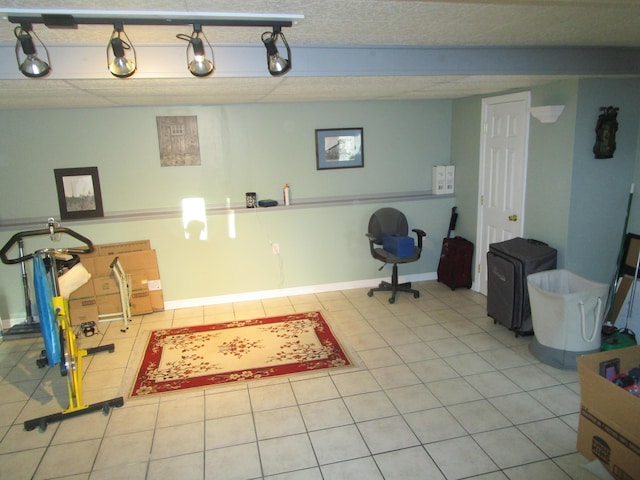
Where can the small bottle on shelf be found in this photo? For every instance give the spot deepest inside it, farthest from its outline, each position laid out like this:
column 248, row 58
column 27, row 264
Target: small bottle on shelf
column 285, row 192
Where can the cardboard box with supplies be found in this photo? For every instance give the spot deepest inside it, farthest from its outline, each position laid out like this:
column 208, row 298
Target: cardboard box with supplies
column 609, row 423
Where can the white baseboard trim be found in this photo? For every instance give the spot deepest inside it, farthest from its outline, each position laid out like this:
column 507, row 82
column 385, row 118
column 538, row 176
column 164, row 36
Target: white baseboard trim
column 286, row 292
column 282, row 292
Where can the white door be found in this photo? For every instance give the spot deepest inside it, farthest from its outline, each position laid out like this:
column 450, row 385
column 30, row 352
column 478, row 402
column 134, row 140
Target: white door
column 503, row 166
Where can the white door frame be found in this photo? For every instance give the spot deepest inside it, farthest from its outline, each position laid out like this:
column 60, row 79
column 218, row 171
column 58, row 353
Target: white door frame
column 482, row 242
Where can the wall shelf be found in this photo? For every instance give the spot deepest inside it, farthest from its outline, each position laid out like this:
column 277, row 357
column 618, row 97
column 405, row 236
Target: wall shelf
column 236, row 207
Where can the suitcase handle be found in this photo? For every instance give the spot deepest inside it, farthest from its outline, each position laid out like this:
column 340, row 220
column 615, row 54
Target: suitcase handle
column 537, row 242
column 452, row 221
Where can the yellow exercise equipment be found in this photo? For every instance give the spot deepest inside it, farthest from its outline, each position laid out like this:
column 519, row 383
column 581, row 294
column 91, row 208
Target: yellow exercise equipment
column 57, row 332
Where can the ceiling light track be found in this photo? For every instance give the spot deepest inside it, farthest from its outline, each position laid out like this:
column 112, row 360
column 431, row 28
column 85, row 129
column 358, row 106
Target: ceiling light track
column 119, row 45
column 62, row 18
column 70, row 21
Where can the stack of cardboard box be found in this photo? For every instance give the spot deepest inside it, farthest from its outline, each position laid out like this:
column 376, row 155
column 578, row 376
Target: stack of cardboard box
column 101, row 295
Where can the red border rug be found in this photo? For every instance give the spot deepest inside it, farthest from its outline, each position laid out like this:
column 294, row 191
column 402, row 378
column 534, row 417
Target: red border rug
column 222, row 353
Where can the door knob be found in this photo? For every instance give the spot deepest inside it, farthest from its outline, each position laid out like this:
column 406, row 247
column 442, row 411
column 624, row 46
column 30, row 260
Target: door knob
column 513, row 218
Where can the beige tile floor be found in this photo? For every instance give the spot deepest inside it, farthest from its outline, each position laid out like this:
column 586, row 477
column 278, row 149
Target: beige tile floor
column 440, row 392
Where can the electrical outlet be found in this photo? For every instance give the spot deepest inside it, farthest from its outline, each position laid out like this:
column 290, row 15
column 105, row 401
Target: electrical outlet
column 275, row 248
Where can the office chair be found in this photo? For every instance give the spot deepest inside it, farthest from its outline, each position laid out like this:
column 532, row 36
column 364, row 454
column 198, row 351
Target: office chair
column 385, row 221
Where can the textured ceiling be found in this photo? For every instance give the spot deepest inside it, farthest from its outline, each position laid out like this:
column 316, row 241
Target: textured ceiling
column 336, row 23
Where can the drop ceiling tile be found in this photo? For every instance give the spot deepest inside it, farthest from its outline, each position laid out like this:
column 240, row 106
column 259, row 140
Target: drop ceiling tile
column 330, row 22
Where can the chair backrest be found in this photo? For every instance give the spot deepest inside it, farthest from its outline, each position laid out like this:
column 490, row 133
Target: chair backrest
column 387, row 220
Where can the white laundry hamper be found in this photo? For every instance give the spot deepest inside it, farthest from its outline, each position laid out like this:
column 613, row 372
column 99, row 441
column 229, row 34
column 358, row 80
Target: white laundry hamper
column 567, row 313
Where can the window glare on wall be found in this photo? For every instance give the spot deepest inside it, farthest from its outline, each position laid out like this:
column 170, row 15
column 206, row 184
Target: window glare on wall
column 194, row 219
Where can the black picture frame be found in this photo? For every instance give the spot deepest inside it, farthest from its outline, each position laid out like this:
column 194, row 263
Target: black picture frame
column 339, row 148
column 79, row 194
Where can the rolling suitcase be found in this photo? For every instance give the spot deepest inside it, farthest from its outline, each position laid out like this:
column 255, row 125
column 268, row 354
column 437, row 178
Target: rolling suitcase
column 509, row 263
column 454, row 268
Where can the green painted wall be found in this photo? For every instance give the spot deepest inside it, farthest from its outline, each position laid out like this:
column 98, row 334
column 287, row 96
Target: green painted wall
column 574, row 202
column 549, row 168
column 243, row 148
column 465, row 155
column 601, row 187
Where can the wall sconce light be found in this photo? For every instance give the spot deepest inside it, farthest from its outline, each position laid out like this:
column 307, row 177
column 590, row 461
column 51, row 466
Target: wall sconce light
column 198, row 63
column 119, row 65
column 548, row 113
column 275, row 63
column 32, row 66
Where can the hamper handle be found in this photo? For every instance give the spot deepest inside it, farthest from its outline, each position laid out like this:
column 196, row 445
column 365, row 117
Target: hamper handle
column 595, row 321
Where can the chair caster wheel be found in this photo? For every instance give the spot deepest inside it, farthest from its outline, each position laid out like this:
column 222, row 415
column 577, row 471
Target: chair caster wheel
column 370, row 293
column 416, row 295
column 392, row 300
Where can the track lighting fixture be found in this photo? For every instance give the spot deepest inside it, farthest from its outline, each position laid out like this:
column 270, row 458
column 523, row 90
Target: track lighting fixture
column 275, row 63
column 121, row 56
column 198, row 63
column 119, row 65
column 32, row 66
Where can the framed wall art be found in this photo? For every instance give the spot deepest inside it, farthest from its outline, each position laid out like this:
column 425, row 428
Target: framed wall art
column 78, row 193
column 606, row 129
column 339, row 148
column 178, row 141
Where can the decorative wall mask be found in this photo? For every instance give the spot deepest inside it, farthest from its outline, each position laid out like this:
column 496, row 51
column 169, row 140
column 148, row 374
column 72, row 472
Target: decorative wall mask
column 606, row 133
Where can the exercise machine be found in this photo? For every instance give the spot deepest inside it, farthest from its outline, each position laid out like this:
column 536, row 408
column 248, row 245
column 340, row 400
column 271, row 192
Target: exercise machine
column 59, row 338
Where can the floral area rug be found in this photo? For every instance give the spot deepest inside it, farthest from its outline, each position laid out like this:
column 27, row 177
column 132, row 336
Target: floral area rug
column 221, row 353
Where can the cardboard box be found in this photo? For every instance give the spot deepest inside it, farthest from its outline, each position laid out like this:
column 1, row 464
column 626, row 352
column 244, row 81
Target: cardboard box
column 136, row 261
column 157, row 300
column 450, row 179
column 130, row 261
column 438, row 179
column 108, row 304
column 124, row 247
column 83, row 310
column 100, row 266
column 139, row 262
column 116, row 248
column 141, row 303
column 105, row 285
column 609, row 423
column 85, row 291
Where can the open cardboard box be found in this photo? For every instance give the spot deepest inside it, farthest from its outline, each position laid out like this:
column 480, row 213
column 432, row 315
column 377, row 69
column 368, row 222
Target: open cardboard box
column 609, row 423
